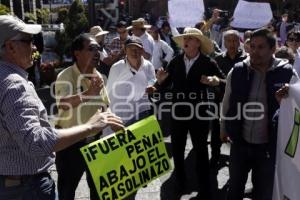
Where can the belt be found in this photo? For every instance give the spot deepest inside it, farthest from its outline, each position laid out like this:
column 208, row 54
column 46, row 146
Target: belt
column 15, row 180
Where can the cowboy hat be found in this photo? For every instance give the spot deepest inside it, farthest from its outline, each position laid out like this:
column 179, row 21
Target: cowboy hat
column 139, row 23
column 97, row 31
column 206, row 46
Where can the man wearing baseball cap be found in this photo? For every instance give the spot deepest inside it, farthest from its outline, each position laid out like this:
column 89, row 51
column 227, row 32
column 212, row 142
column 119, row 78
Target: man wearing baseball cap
column 128, row 83
column 28, row 142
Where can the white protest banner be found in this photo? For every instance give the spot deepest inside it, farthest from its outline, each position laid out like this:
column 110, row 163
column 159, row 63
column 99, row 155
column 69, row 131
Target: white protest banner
column 185, row 13
column 251, row 15
column 297, row 61
column 287, row 174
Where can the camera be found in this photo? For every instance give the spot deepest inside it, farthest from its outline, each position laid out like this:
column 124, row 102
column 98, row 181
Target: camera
column 224, row 13
column 224, row 17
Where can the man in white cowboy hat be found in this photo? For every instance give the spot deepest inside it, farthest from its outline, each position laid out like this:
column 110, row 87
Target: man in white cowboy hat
column 138, row 28
column 190, row 74
column 28, row 141
column 106, row 60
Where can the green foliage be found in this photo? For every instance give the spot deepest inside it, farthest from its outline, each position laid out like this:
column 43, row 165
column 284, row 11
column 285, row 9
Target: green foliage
column 42, row 16
column 29, row 16
column 62, row 15
column 4, row 10
column 78, row 19
column 75, row 22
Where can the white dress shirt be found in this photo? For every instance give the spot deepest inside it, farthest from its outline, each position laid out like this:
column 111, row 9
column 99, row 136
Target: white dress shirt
column 160, row 48
column 148, row 43
column 189, row 62
column 126, row 88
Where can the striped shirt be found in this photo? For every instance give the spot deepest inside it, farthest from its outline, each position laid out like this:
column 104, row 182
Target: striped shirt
column 26, row 137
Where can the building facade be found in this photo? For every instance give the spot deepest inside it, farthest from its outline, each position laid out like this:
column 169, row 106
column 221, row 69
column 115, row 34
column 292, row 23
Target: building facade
column 20, row 7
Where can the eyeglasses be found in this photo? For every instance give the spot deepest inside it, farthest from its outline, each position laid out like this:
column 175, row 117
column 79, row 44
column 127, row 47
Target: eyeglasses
column 293, row 39
column 26, row 41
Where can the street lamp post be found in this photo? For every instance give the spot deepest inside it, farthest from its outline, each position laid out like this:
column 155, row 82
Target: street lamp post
column 50, row 9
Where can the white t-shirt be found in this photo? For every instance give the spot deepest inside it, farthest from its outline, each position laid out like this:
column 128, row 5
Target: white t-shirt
column 126, row 88
column 297, row 61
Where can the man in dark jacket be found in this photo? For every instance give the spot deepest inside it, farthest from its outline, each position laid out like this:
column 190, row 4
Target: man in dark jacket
column 249, row 105
column 190, row 74
column 226, row 62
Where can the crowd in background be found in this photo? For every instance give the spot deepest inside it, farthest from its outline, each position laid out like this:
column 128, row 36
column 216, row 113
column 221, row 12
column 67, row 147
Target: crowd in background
column 129, row 65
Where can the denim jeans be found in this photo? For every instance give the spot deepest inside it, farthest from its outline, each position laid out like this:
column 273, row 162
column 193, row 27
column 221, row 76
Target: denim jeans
column 38, row 187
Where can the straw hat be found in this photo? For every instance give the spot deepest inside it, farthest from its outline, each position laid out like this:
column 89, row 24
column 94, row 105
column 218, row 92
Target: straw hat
column 97, row 31
column 139, row 23
column 206, row 46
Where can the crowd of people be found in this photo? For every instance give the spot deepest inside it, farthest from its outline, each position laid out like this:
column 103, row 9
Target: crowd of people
column 115, row 81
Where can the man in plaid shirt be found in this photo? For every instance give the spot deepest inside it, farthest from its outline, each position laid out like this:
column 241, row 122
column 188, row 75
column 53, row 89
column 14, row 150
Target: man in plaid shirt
column 116, row 47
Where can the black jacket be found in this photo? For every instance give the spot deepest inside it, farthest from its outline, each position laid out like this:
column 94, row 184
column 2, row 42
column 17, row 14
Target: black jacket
column 187, row 88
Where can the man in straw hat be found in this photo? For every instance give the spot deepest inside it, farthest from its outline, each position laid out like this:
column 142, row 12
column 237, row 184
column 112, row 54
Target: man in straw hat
column 28, row 142
column 106, row 60
column 190, row 74
column 138, row 28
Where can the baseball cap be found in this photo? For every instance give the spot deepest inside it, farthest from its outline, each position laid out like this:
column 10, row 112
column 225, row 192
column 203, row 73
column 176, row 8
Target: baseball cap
column 134, row 41
column 10, row 26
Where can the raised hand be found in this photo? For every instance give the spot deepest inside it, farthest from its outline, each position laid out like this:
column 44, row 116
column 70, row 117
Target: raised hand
column 282, row 93
column 100, row 120
column 210, row 80
column 96, row 85
column 161, row 75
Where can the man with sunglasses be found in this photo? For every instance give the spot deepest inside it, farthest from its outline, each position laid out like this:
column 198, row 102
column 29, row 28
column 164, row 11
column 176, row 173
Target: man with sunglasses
column 80, row 92
column 28, row 142
column 293, row 40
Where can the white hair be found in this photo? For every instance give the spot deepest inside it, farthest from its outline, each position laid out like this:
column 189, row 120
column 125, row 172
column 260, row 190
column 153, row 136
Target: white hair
column 231, row 32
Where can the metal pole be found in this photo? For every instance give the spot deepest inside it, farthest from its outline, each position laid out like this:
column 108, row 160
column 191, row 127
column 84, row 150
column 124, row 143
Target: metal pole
column 50, row 9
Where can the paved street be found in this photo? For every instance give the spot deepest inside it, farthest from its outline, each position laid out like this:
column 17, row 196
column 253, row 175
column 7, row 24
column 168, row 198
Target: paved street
column 162, row 188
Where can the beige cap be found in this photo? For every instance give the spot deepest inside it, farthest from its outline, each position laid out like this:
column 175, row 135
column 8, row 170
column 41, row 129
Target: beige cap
column 139, row 23
column 10, row 26
column 97, row 31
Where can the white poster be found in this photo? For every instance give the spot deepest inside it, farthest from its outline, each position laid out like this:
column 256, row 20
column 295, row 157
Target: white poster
column 287, row 174
column 251, row 15
column 297, row 61
column 185, row 13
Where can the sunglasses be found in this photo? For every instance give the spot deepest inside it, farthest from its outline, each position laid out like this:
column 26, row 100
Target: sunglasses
column 294, row 39
column 26, row 41
column 95, row 48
